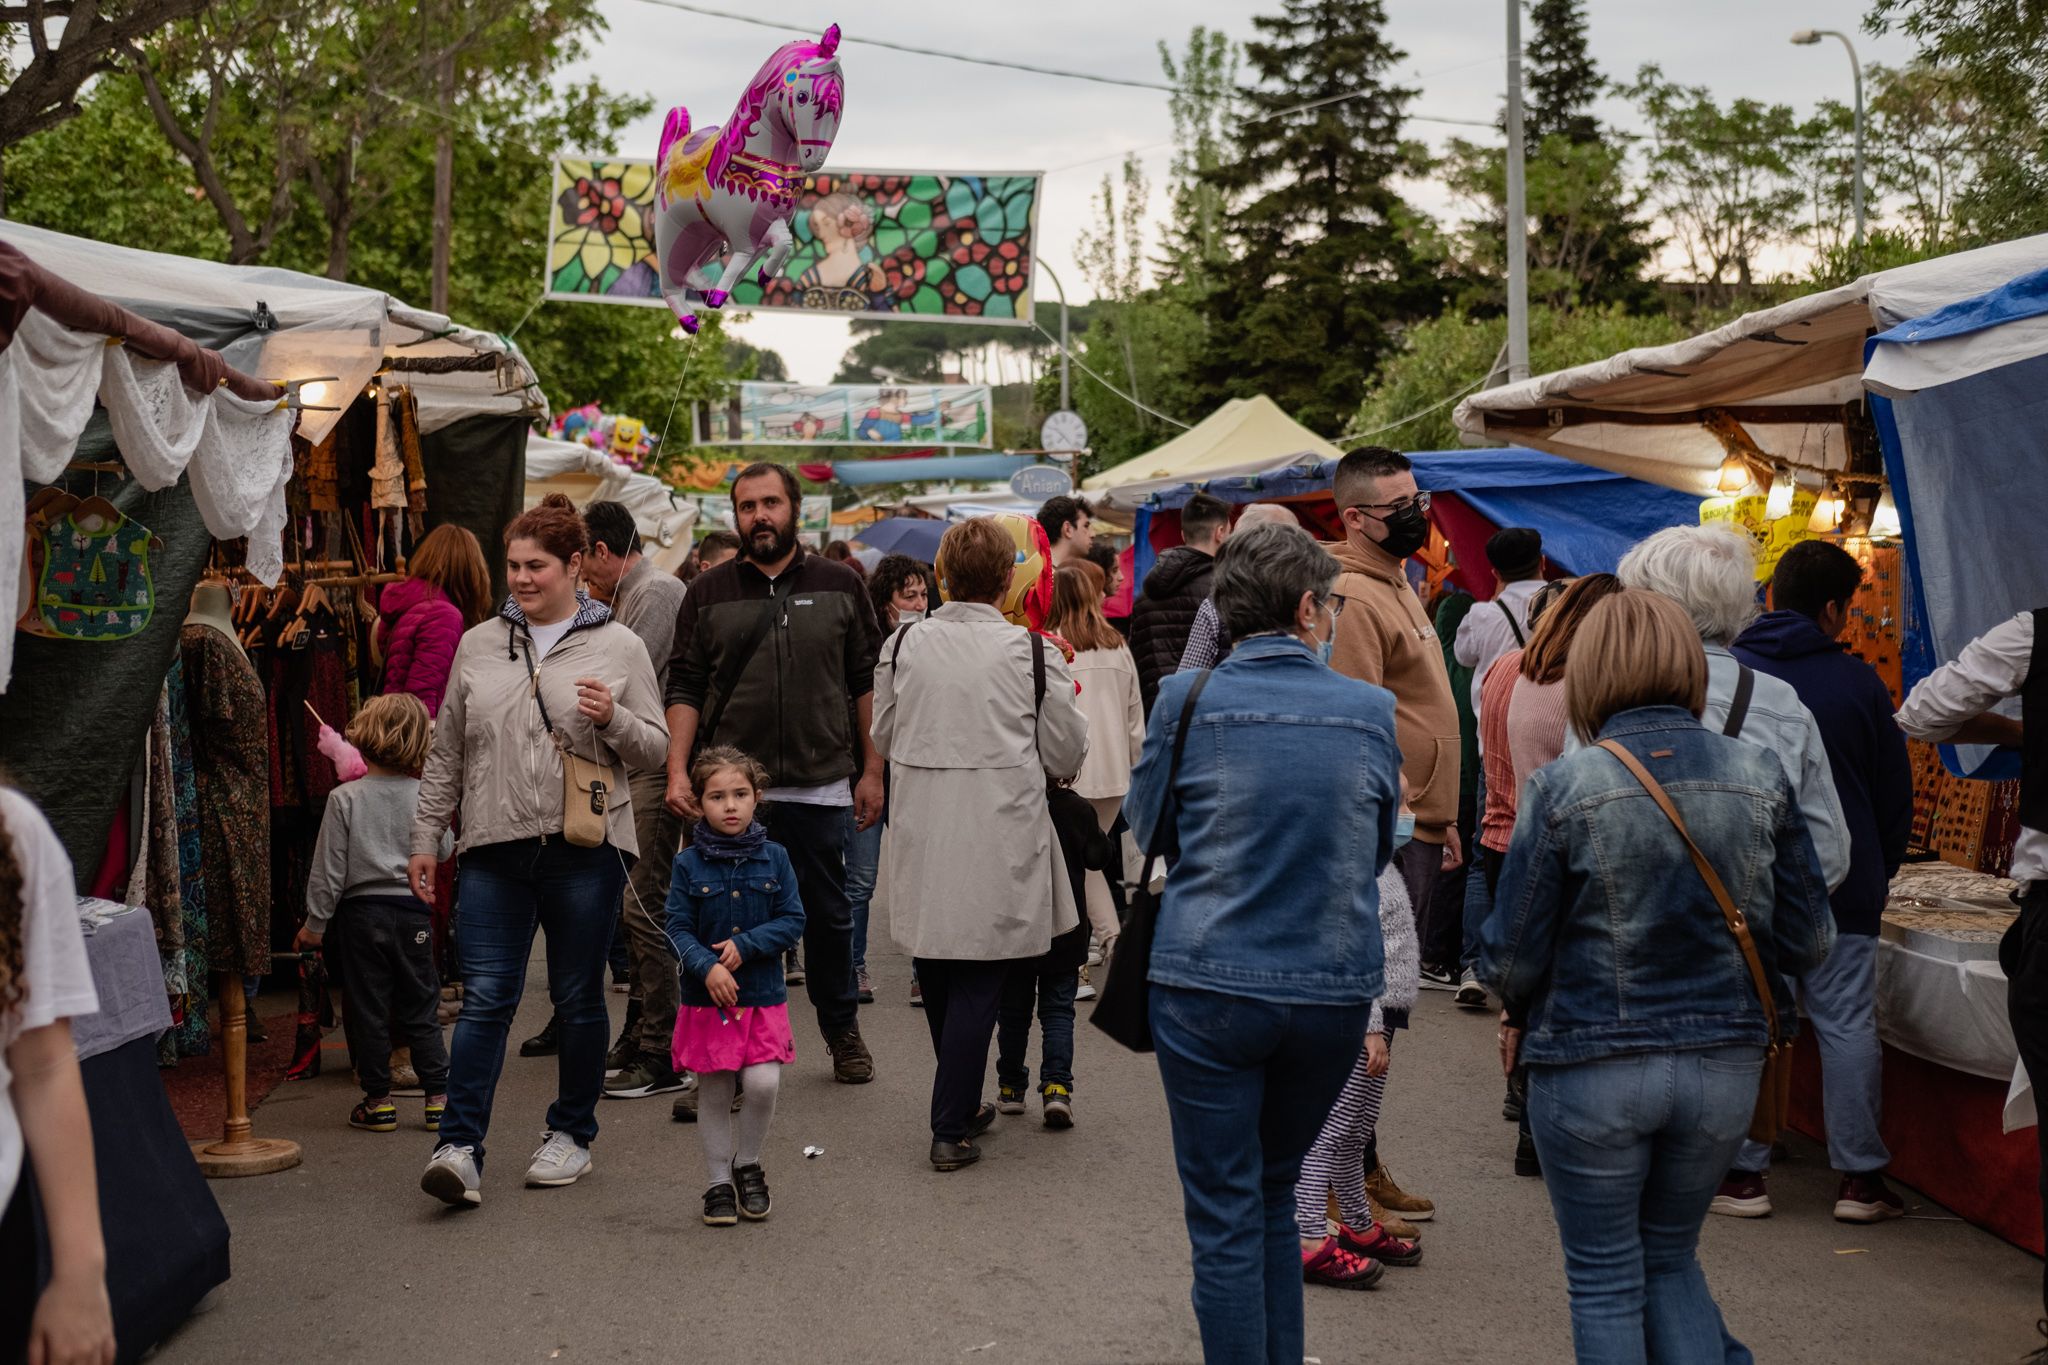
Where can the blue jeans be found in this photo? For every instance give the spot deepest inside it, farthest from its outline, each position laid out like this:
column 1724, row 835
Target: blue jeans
column 1840, row 996
column 1632, row 1149
column 1478, row 895
column 1248, row 1085
column 1053, row 992
column 507, row 890
column 863, row 859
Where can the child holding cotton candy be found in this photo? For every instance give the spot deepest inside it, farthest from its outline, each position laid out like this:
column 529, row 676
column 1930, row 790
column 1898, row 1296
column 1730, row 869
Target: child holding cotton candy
column 733, row 911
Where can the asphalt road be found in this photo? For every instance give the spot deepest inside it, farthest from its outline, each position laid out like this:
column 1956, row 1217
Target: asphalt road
column 1058, row 1247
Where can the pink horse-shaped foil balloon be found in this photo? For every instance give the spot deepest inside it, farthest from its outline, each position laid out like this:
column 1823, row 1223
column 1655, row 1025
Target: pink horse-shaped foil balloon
column 737, row 184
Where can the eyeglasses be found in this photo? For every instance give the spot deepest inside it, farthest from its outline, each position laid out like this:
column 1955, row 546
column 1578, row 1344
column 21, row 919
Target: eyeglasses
column 1383, row 510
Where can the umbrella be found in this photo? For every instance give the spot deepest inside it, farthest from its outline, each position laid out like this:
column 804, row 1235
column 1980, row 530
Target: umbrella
column 917, row 537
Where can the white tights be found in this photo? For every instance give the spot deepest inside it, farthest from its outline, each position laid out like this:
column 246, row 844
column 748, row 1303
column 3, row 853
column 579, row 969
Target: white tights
column 715, row 1119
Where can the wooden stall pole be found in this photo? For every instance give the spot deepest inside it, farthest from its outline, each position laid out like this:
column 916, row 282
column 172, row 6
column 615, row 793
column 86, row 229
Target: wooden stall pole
column 240, row 1151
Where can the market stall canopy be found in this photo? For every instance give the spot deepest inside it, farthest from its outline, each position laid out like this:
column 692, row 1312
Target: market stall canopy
column 1784, row 373
column 1244, row 436
column 588, row 476
column 1589, row 517
column 283, row 325
column 1960, row 401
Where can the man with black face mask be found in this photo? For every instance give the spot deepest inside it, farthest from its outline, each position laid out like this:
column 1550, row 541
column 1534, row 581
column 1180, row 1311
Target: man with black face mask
column 775, row 654
column 1385, row 637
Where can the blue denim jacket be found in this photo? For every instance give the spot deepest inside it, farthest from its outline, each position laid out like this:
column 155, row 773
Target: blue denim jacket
column 1287, row 796
column 753, row 903
column 1604, row 937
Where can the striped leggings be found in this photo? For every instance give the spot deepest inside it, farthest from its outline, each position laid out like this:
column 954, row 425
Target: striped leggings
column 1335, row 1165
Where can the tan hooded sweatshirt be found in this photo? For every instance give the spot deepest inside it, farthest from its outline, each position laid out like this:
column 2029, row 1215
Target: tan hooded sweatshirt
column 1384, row 637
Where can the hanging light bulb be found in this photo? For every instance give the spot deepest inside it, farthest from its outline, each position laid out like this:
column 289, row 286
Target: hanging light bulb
column 1779, row 504
column 1884, row 523
column 1827, row 511
column 1735, row 475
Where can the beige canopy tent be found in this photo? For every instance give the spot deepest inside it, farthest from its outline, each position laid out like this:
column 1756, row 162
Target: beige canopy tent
column 1244, row 436
column 1790, row 378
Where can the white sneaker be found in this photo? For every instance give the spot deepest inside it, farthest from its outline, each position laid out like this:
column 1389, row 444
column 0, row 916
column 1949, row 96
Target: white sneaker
column 560, row 1160
column 1086, row 990
column 452, row 1177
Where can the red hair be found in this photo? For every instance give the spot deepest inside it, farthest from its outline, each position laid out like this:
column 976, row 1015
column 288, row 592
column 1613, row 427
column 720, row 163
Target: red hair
column 555, row 525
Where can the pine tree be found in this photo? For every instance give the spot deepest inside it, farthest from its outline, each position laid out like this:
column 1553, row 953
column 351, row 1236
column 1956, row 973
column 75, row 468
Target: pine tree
column 1559, row 72
column 1323, row 252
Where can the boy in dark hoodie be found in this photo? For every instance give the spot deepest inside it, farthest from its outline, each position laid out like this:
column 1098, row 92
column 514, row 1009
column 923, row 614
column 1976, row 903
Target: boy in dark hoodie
column 1800, row 643
column 1050, row 980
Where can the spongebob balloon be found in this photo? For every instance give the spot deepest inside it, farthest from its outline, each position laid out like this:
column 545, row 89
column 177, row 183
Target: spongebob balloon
column 736, row 184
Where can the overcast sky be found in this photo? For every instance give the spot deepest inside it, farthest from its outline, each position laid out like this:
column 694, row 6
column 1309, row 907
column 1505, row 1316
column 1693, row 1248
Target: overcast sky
column 924, row 113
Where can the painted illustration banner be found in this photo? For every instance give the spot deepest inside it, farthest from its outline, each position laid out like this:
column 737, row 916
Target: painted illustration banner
column 760, row 414
column 936, row 247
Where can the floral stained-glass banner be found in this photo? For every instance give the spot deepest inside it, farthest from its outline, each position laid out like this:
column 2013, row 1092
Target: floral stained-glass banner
column 850, row 414
column 932, row 247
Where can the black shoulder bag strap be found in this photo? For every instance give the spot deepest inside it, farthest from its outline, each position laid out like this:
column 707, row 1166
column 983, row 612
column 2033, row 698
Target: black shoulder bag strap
column 736, row 664
column 1037, row 673
column 1513, row 624
column 896, row 649
column 1165, row 838
column 1738, row 709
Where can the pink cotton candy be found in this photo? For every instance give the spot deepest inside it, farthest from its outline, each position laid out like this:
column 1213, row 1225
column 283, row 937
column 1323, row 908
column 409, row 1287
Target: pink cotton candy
column 348, row 764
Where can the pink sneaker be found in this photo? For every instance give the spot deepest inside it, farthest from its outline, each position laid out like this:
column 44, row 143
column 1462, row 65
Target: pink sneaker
column 1330, row 1264
column 1380, row 1245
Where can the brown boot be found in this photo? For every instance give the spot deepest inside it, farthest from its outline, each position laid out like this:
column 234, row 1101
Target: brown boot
column 1380, row 1185
column 1393, row 1222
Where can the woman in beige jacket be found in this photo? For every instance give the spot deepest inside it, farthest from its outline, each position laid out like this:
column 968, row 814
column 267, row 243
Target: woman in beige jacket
column 975, row 875
column 1111, row 701
column 553, row 671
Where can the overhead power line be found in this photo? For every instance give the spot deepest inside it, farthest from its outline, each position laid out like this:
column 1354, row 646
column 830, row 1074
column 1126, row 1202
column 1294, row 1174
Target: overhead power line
column 783, row 27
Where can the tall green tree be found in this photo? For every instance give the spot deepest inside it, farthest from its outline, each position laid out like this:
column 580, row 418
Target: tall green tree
column 1721, row 176
column 1560, row 76
column 1325, row 255
column 1204, row 77
column 1928, row 135
column 1997, row 53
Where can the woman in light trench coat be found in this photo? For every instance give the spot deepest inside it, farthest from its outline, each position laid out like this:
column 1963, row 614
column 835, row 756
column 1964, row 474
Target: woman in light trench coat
column 975, row 875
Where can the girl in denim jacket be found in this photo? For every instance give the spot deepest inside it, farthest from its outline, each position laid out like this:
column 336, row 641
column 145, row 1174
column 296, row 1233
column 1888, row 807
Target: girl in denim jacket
column 733, row 911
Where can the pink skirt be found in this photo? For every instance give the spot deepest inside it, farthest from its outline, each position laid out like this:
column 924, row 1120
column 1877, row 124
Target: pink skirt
column 742, row 1037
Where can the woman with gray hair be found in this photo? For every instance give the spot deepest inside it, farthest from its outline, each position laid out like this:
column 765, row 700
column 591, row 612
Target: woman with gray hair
column 1266, row 956
column 1711, row 572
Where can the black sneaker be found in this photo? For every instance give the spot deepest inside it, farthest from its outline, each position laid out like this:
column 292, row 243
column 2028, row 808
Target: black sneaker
column 753, row 1183
column 1511, row 1107
column 863, row 986
column 951, row 1156
column 646, row 1076
column 685, row 1107
column 546, row 1043
column 793, row 969
column 1435, row 978
column 627, row 1048
column 721, row 1206
column 1526, row 1163
column 983, row 1120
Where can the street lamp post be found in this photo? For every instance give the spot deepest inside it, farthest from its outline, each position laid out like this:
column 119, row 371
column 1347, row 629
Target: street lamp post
column 1807, row 37
column 1516, row 209
column 1061, row 289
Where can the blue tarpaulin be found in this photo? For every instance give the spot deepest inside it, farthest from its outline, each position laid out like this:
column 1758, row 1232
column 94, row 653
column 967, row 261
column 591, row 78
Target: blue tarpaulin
column 1589, row 517
column 974, row 468
column 1966, row 454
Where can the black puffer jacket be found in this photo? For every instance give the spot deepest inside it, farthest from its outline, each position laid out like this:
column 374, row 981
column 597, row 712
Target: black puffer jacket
column 1165, row 613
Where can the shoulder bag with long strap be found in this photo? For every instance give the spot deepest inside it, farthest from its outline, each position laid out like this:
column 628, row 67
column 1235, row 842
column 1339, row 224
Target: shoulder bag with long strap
column 1124, row 1008
column 736, row 663
column 1513, row 624
column 1774, row 1088
column 586, row 783
column 1738, row 705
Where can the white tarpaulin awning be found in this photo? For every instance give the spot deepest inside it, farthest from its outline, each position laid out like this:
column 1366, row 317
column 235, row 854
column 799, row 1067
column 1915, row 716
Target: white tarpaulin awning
column 1784, row 373
column 283, row 325
column 588, row 476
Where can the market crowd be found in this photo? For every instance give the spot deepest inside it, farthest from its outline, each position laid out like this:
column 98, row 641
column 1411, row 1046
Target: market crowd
column 1646, row 823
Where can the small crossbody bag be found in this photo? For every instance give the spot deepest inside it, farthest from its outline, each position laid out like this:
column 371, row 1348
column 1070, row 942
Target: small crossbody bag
column 586, row 783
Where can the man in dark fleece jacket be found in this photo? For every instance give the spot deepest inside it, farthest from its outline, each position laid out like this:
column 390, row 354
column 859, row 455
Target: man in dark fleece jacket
column 1799, row 642
column 1174, row 593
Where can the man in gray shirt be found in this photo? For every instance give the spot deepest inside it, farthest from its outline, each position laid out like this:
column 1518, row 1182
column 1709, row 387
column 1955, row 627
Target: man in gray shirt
column 647, row 602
